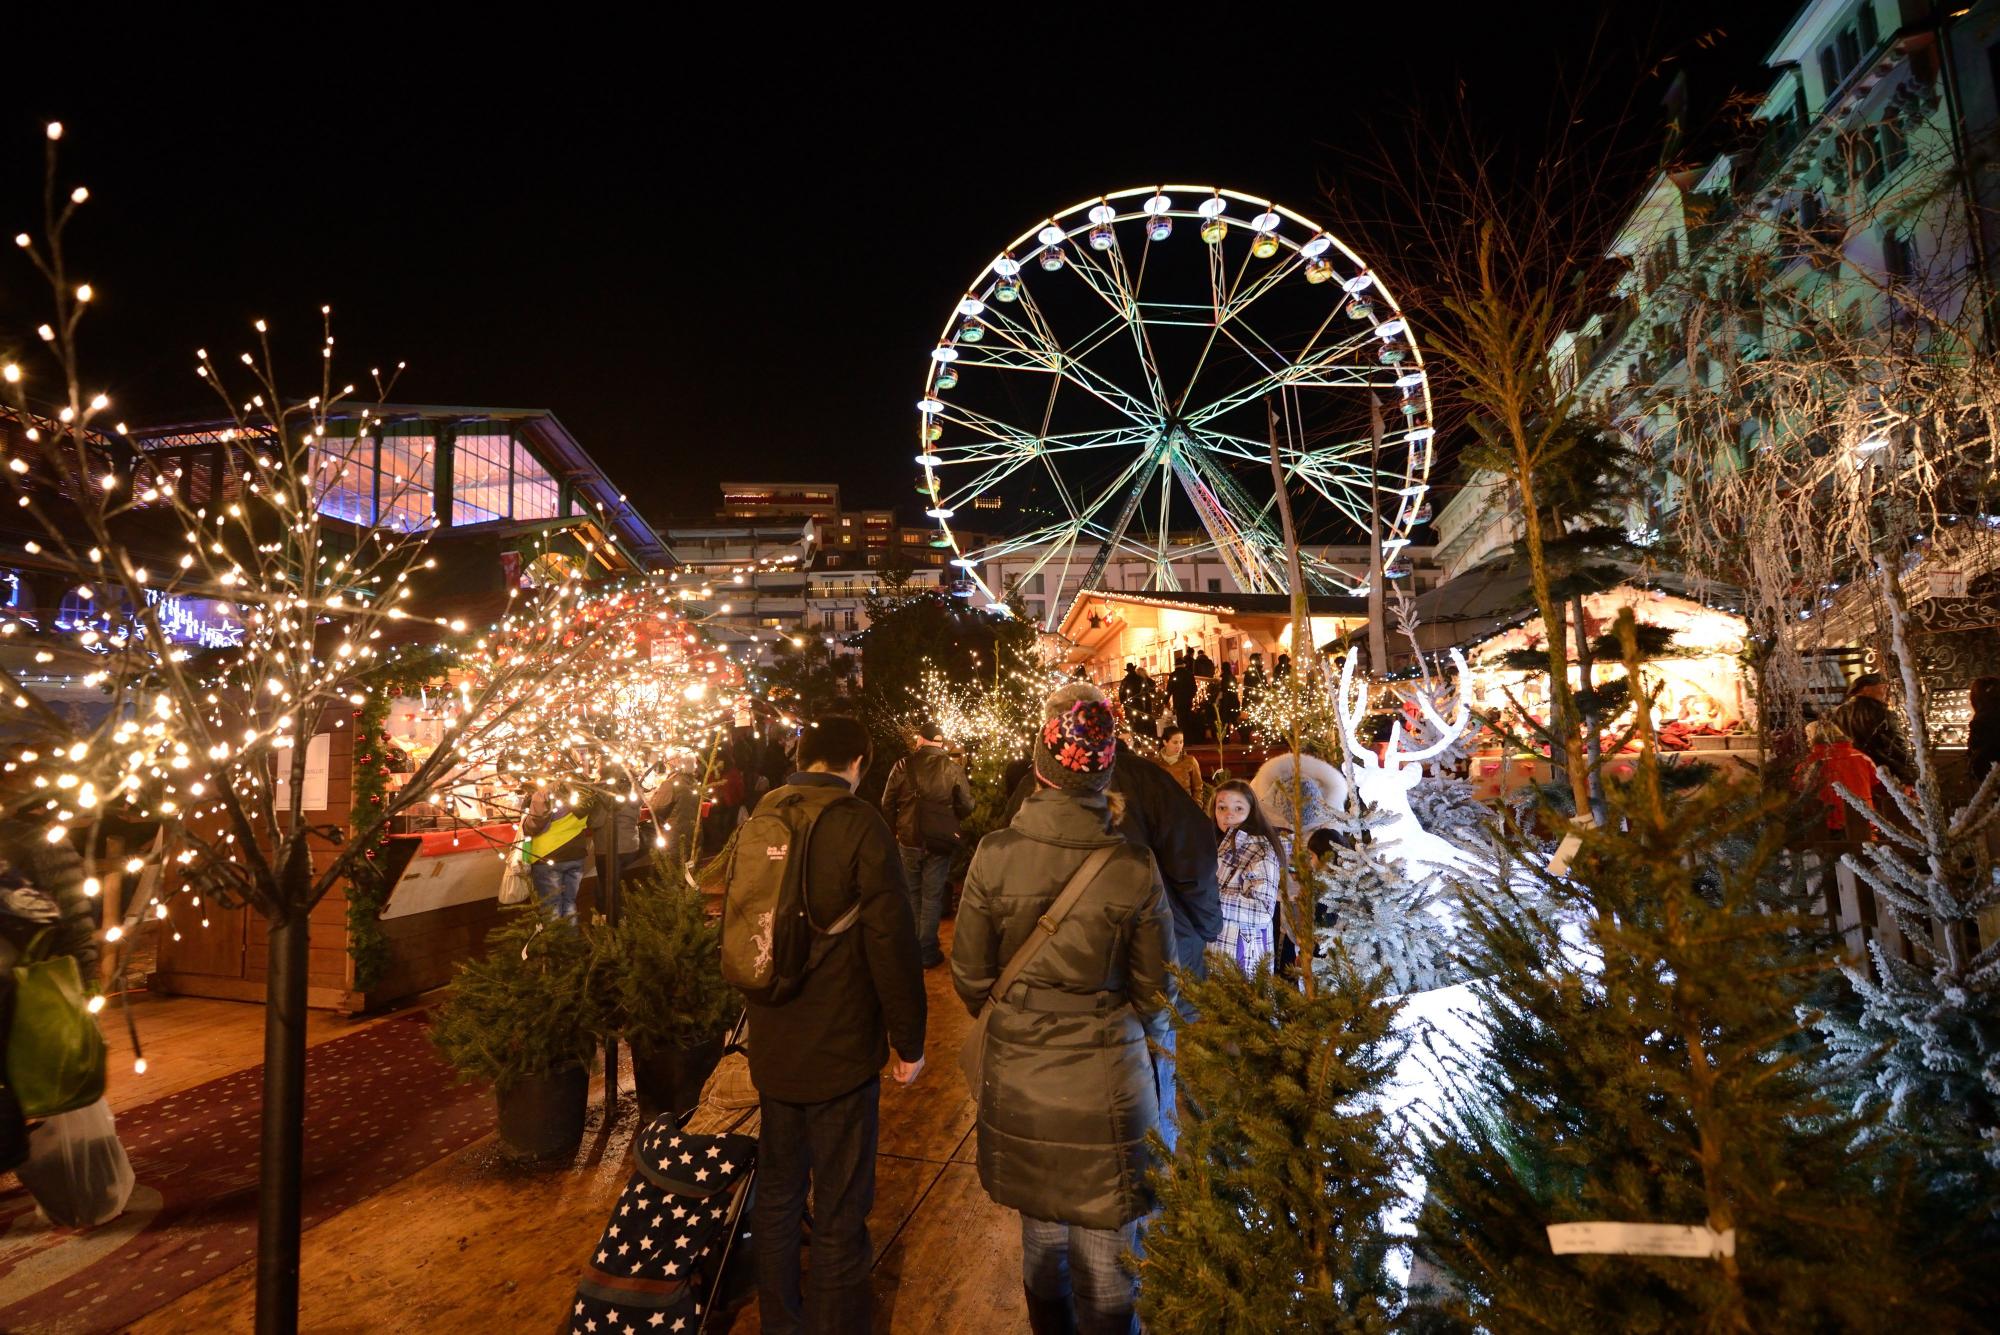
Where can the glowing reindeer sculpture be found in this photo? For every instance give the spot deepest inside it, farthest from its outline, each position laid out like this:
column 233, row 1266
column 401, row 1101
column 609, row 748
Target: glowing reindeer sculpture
column 1384, row 782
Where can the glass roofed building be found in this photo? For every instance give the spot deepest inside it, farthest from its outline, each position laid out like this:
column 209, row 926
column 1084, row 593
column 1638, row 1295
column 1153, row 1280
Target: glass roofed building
column 514, row 477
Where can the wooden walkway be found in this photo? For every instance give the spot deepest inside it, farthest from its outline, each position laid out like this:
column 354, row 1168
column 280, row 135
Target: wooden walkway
column 473, row 1243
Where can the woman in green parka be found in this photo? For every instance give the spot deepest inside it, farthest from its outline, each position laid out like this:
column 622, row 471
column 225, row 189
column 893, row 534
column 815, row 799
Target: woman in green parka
column 1067, row 1093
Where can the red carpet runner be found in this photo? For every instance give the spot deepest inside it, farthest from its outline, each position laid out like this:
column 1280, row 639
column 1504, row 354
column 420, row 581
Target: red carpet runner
column 380, row 1106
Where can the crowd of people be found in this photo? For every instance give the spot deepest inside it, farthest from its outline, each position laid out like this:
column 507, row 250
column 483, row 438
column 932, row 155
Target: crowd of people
column 1109, row 870
column 1203, row 701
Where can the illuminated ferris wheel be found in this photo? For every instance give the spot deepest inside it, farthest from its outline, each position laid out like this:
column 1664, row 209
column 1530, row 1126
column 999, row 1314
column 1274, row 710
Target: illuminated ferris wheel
column 1104, row 393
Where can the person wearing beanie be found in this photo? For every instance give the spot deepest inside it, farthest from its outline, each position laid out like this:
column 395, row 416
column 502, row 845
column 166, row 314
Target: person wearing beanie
column 1066, row 1093
column 1156, row 813
column 1876, row 730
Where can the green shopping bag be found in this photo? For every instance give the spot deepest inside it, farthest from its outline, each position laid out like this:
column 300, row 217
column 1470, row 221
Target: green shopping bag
column 55, row 1054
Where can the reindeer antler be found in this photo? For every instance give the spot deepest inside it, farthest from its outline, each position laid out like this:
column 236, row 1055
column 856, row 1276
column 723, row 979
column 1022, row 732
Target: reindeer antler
column 1345, row 712
column 1447, row 732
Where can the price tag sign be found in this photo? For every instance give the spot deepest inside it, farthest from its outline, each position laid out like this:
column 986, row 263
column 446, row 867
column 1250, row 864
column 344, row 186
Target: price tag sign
column 1601, row 1239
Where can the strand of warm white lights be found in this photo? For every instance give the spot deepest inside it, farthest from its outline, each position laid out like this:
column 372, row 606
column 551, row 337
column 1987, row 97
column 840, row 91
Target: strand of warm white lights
column 194, row 738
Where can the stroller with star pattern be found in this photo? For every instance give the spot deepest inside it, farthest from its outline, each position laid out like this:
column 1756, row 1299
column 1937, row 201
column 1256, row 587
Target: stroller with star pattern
column 669, row 1259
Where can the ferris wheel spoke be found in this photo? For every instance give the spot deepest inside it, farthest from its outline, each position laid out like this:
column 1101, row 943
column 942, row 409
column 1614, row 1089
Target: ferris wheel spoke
column 1205, row 487
column 1111, row 285
column 1270, row 278
column 1323, row 370
column 1042, row 345
column 1163, row 569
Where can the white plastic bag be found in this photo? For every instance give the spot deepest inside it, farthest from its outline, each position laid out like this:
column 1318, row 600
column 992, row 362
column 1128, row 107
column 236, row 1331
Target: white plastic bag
column 76, row 1169
column 517, row 886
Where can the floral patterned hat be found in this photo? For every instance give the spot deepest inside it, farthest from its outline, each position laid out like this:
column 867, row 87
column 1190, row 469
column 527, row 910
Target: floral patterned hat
column 1076, row 749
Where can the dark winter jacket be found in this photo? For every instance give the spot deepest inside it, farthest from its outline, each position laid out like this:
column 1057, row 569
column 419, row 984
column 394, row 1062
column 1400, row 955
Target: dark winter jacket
column 1982, row 745
column 1878, row 734
column 830, row 1038
column 1067, row 1093
column 1160, row 816
column 926, row 793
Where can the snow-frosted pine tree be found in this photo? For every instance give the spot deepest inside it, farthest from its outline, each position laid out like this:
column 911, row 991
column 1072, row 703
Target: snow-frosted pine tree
column 1380, row 914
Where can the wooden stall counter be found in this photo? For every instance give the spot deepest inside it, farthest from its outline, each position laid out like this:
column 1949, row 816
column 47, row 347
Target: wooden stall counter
column 445, row 896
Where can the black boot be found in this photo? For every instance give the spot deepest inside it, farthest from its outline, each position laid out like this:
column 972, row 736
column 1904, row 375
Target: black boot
column 1049, row 1316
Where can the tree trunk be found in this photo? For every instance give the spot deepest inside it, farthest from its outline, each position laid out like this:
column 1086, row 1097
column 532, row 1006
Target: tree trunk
column 607, row 880
column 1593, row 723
column 1378, row 639
column 281, row 1164
column 1302, row 636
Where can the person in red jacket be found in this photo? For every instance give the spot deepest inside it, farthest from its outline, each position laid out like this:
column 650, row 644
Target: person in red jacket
column 1834, row 760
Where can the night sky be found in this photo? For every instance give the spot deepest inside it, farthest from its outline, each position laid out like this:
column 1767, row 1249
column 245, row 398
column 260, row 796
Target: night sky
column 718, row 252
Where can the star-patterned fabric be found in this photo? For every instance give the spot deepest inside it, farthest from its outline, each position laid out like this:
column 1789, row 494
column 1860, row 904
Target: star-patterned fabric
column 653, row 1267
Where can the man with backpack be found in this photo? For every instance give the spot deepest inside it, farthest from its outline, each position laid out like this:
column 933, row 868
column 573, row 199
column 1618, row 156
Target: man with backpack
column 926, row 798
column 817, row 934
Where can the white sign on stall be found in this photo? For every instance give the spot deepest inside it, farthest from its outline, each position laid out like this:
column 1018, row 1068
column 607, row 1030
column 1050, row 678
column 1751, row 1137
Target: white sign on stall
column 319, row 753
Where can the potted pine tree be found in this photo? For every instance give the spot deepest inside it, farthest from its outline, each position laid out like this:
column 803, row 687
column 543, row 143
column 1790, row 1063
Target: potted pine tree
column 526, row 1018
column 663, row 988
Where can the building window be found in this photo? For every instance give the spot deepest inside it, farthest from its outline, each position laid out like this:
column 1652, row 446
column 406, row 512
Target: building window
column 1894, row 149
column 1032, row 584
column 1871, row 31
column 497, row 477
column 1899, row 254
column 847, row 619
column 1036, row 608
column 343, row 472
column 482, row 465
column 1215, row 586
column 405, row 486
column 536, row 495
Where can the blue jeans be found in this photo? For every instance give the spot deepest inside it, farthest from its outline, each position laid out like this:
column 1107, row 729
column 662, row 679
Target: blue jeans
column 1084, row 1267
column 929, row 877
column 830, row 1145
column 555, row 885
column 1164, row 1083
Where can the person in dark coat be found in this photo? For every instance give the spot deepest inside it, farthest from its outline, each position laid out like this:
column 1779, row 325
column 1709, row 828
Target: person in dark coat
column 1869, row 722
column 927, row 800
column 1158, row 815
column 1982, row 735
column 1982, row 748
column 1228, row 704
column 1067, row 1093
column 817, row 1058
column 1181, row 689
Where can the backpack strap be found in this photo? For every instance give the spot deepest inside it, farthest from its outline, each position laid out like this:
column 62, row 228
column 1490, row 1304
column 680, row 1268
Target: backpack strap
column 1050, row 921
column 797, row 797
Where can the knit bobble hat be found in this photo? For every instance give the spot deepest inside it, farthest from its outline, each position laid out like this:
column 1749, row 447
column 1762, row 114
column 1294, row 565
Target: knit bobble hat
column 1075, row 750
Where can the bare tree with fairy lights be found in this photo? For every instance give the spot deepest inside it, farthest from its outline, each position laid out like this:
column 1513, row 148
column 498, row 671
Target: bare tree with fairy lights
column 209, row 744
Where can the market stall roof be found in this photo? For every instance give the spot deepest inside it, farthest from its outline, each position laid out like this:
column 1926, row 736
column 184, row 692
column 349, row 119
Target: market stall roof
column 1491, row 597
column 1086, row 631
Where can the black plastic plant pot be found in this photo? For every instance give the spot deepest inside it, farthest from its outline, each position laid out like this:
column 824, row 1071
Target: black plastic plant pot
column 670, row 1080
column 542, row 1115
